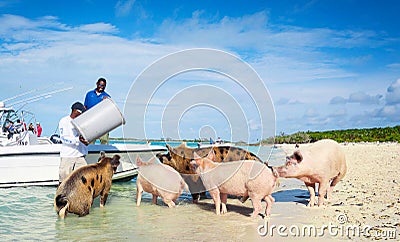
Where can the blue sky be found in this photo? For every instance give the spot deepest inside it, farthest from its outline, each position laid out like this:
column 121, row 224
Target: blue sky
column 326, row 64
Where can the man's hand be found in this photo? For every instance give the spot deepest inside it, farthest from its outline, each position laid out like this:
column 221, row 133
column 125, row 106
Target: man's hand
column 85, row 142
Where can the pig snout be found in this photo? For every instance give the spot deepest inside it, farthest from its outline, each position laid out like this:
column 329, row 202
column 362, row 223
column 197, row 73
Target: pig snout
column 194, row 164
column 274, row 172
column 288, row 170
column 281, row 170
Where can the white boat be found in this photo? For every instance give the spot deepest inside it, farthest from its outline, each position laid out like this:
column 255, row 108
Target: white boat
column 27, row 160
column 205, row 145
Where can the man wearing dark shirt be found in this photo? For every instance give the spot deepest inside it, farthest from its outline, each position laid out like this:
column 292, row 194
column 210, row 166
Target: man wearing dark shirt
column 94, row 97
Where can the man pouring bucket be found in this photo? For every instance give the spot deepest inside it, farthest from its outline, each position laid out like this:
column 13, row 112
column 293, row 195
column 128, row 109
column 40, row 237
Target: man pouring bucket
column 93, row 98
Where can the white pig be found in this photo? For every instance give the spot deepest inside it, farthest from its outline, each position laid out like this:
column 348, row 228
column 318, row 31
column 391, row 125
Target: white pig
column 322, row 162
column 241, row 178
column 159, row 180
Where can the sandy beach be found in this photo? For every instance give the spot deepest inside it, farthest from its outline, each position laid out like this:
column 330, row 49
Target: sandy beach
column 367, row 199
column 365, row 207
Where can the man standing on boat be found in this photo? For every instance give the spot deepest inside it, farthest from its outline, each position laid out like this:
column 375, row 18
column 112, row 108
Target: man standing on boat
column 39, row 129
column 95, row 96
column 74, row 146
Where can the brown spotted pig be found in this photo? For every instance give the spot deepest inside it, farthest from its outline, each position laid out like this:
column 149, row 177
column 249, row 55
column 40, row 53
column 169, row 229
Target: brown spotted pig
column 240, row 178
column 159, row 180
column 180, row 157
column 322, row 162
column 77, row 192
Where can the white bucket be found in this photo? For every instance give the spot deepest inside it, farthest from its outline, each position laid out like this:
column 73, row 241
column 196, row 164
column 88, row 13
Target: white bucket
column 99, row 120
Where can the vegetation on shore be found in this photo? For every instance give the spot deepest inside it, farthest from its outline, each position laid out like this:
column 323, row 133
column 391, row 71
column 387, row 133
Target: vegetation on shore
column 387, row 134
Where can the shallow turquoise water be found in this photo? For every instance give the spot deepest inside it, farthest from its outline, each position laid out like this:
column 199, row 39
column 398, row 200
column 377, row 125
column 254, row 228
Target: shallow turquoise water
column 28, row 214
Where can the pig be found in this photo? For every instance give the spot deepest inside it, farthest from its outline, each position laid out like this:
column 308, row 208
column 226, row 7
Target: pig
column 322, row 162
column 240, row 178
column 159, row 180
column 77, row 192
column 180, row 157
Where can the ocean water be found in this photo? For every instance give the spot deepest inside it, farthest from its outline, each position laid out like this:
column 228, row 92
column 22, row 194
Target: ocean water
column 27, row 214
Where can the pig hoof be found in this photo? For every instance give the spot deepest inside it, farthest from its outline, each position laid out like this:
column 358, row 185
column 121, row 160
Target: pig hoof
column 171, row 204
column 310, row 205
column 254, row 215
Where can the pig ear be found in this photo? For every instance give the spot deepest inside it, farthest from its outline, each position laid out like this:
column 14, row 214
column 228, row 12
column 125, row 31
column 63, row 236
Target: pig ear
column 169, row 148
column 139, row 161
column 196, row 156
column 152, row 160
column 297, row 155
column 115, row 161
column 211, row 155
column 197, row 160
column 102, row 155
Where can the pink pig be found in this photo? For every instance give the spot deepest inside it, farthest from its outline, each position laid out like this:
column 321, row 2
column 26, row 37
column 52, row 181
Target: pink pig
column 241, row 178
column 159, row 180
column 322, row 162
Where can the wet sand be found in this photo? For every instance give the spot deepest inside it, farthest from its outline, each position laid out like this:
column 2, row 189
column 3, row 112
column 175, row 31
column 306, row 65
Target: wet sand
column 368, row 197
column 365, row 206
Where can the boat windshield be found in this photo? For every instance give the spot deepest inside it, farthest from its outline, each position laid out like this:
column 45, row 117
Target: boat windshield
column 7, row 115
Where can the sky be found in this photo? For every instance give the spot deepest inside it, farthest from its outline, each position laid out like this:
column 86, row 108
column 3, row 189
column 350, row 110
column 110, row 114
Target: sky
column 240, row 70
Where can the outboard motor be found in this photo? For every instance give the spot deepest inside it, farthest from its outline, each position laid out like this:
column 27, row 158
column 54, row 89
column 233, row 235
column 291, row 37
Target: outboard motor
column 55, row 138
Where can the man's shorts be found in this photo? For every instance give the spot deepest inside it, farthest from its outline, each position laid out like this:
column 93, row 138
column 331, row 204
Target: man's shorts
column 69, row 164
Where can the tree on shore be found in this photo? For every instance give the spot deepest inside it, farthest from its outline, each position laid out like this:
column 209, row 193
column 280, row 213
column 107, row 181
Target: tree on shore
column 387, row 134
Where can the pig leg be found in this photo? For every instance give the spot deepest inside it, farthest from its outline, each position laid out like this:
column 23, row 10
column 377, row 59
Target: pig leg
column 269, row 200
column 170, row 203
column 154, row 201
column 224, row 199
column 256, row 201
column 64, row 211
column 196, row 197
column 333, row 184
column 311, row 190
column 139, row 192
column 322, row 190
column 103, row 198
column 272, row 198
column 217, row 200
column 244, row 197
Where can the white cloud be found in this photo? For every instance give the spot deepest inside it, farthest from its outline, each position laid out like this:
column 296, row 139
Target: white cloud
column 338, row 100
column 311, row 113
column 358, row 97
column 363, row 98
column 393, row 93
column 291, row 59
column 98, row 28
column 123, row 7
column 254, row 124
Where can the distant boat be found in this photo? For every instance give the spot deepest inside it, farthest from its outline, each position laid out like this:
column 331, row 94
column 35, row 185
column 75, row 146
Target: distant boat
column 204, row 145
column 28, row 160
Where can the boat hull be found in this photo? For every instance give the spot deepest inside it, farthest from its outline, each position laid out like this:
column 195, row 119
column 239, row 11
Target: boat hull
column 38, row 165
